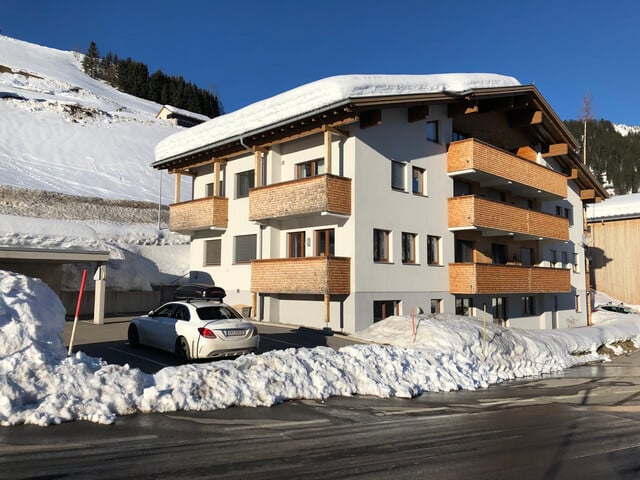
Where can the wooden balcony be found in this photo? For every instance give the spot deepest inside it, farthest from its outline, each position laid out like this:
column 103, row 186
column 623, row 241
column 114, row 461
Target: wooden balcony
column 322, row 194
column 471, row 212
column 201, row 214
column 487, row 278
column 476, row 161
column 303, row 275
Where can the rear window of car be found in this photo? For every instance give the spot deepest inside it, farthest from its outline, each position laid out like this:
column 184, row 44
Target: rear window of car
column 217, row 313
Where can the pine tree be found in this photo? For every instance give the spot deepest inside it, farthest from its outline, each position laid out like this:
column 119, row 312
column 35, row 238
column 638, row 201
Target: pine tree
column 91, row 61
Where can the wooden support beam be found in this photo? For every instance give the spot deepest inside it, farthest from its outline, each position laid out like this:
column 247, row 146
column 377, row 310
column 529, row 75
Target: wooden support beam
column 336, row 131
column 327, row 150
column 556, row 150
column 176, row 188
column 528, row 153
column 216, row 179
column 465, row 108
column 588, row 194
column 370, row 118
column 257, row 171
column 417, row 113
column 327, row 310
column 525, row 118
column 574, row 174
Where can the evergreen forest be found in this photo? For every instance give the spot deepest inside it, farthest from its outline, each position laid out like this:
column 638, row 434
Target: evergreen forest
column 133, row 77
column 610, row 155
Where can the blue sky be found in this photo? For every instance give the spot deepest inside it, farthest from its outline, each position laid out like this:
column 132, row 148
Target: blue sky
column 249, row 50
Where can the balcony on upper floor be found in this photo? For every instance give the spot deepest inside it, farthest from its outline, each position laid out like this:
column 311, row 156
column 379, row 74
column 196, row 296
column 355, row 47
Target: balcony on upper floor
column 321, row 194
column 302, row 275
column 472, row 160
column 494, row 279
column 471, row 212
column 201, row 214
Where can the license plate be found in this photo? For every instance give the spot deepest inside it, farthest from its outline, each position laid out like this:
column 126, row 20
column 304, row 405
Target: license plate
column 235, row 332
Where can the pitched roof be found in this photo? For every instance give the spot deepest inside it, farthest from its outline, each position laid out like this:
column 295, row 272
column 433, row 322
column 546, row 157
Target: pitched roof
column 317, row 96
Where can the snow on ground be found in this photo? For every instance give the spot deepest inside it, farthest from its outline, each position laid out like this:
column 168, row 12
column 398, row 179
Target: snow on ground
column 40, row 385
column 66, row 132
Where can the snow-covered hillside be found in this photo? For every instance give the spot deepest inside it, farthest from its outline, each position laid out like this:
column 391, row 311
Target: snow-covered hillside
column 625, row 130
column 66, row 132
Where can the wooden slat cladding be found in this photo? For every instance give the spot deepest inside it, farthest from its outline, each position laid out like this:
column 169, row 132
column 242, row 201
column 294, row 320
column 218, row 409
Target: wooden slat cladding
column 322, row 193
column 479, row 278
column 302, row 275
column 199, row 214
column 472, row 154
column 472, row 211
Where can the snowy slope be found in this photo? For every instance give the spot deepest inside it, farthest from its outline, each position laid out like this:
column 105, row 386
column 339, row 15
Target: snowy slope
column 64, row 131
column 625, row 130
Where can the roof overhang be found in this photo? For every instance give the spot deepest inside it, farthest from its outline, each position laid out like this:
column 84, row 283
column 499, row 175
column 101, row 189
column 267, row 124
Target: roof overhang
column 26, row 254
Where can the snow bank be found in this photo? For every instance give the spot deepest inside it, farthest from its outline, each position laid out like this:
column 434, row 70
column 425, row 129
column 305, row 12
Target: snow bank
column 40, row 386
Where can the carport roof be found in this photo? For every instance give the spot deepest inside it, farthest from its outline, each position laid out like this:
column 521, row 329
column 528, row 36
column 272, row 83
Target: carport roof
column 28, row 254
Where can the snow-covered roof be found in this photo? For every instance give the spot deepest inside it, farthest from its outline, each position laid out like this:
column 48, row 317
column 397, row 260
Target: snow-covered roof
column 615, row 208
column 186, row 113
column 317, row 96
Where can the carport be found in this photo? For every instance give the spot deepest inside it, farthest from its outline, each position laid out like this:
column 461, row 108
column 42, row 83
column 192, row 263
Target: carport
column 46, row 264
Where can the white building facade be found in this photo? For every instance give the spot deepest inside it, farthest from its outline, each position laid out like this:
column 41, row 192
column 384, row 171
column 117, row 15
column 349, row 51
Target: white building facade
column 354, row 198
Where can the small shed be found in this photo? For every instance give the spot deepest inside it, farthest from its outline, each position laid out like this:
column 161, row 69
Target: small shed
column 180, row 117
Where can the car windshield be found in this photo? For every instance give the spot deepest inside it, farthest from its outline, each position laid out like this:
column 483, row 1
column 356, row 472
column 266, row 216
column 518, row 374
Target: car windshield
column 219, row 312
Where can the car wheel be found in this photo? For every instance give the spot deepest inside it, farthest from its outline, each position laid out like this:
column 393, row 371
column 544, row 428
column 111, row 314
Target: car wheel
column 182, row 350
column 132, row 335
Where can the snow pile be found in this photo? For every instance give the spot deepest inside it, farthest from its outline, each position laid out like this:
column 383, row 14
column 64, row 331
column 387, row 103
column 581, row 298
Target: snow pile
column 618, row 207
column 316, row 96
column 41, row 386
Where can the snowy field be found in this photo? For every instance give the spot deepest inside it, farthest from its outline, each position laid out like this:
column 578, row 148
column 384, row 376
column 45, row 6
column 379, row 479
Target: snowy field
column 41, row 385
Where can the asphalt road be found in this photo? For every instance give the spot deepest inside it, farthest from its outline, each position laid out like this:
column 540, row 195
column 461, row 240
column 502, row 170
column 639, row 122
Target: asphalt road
column 583, row 423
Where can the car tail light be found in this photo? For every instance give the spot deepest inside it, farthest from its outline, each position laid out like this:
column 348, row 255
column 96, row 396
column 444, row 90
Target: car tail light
column 255, row 330
column 206, row 333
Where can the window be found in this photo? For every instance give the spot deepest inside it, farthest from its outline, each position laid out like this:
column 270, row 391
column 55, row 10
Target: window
column 436, row 305
column 464, row 306
column 578, row 304
column 499, row 253
column 244, row 182
column 464, row 251
column 565, row 260
column 458, row 135
column 526, row 256
column 408, row 247
column 499, row 310
column 212, row 252
column 381, row 245
column 325, row 243
column 296, row 244
column 528, row 305
column 433, row 250
column 209, row 188
column 310, row 169
column 576, row 264
column 417, row 175
column 432, row 131
column 461, row 188
column 245, row 248
column 554, row 258
column 385, row 308
column 397, row 176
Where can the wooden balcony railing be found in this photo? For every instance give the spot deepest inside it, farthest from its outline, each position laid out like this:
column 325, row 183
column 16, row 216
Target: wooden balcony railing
column 303, row 275
column 200, row 214
column 487, row 278
column 471, row 211
column 491, row 166
column 312, row 195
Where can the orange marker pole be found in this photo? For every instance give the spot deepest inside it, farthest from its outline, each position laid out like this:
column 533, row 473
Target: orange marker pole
column 75, row 320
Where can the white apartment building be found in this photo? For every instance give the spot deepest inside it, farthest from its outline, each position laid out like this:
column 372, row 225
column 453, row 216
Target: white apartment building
column 353, row 198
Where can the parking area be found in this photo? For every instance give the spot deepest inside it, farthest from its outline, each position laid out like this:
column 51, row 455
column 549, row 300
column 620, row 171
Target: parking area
column 109, row 342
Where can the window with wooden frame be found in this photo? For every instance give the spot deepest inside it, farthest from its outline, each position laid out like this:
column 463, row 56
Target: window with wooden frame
column 464, row 306
column 408, row 247
column 433, row 250
column 432, row 131
column 245, row 248
column 397, row 176
column 381, row 245
column 325, row 243
column 417, row 180
column 244, row 182
column 212, row 251
column 296, row 244
column 310, row 168
column 385, row 308
column 528, row 305
column 499, row 305
column 209, row 187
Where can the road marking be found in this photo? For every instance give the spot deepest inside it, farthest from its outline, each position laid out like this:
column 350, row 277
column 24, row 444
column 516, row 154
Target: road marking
column 13, row 448
column 139, row 357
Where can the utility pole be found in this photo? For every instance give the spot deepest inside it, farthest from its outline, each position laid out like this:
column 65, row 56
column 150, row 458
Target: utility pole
column 586, row 116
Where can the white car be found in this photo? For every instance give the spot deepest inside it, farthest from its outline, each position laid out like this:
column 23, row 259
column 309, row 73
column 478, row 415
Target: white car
column 195, row 329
